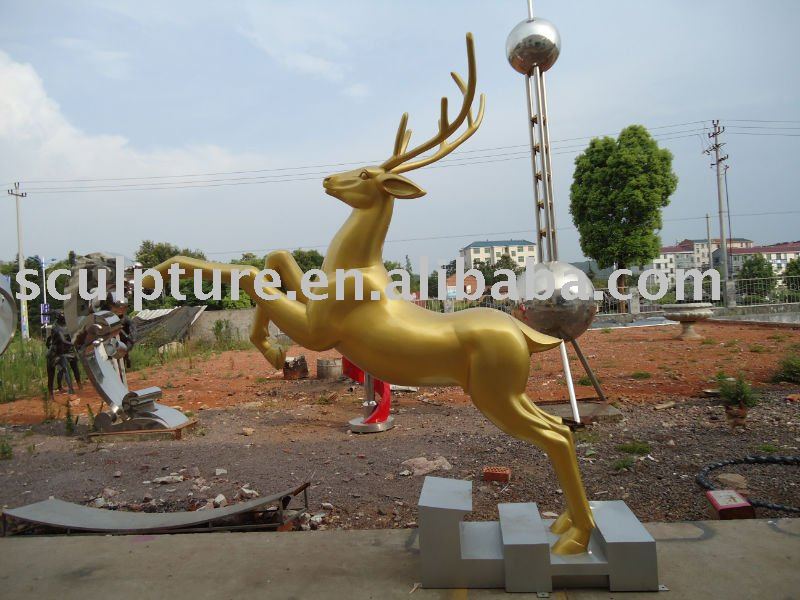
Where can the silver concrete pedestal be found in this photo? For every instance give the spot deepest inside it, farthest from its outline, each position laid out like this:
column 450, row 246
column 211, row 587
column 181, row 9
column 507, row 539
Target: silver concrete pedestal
column 514, row 553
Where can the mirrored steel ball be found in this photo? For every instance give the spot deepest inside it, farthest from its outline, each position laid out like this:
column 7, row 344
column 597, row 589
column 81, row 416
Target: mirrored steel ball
column 533, row 43
column 567, row 311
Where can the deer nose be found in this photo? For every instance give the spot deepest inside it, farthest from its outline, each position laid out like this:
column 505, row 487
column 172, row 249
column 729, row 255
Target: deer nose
column 326, row 181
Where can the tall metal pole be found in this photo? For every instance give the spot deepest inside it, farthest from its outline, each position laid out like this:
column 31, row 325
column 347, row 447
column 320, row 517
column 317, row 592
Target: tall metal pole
column 708, row 238
column 730, row 227
column 532, row 117
column 547, row 160
column 23, row 304
column 723, row 239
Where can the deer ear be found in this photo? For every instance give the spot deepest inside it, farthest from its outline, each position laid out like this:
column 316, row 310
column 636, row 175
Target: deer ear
column 399, row 186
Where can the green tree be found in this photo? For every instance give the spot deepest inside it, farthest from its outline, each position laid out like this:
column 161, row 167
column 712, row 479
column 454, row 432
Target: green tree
column 619, row 188
column 308, row 259
column 756, row 279
column 792, row 274
column 152, row 253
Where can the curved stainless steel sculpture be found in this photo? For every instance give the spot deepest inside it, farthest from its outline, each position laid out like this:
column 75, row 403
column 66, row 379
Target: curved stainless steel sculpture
column 96, row 331
column 8, row 315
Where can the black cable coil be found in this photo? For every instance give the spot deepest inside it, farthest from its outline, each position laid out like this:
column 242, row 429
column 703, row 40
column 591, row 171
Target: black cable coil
column 702, row 477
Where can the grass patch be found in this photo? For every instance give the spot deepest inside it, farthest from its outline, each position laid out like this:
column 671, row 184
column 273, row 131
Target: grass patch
column 605, row 330
column 584, row 380
column 641, row 375
column 23, row 370
column 768, row 448
column 623, row 463
column 6, row 452
column 586, row 437
column 757, row 349
column 731, row 344
column 635, row 447
column 708, row 342
column 778, row 337
column 788, row 369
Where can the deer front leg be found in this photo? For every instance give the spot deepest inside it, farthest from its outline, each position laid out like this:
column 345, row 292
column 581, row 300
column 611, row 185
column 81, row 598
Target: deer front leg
column 283, row 263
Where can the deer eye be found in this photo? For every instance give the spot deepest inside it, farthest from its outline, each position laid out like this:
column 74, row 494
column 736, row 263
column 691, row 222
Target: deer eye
column 364, row 175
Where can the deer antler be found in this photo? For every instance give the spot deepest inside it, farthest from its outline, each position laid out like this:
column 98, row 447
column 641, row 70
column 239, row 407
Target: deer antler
column 398, row 162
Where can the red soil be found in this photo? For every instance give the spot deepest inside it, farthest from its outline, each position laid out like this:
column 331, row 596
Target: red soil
column 675, row 368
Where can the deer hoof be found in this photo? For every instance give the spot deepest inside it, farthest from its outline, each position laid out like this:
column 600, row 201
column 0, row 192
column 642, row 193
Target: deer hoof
column 573, row 541
column 562, row 523
column 276, row 356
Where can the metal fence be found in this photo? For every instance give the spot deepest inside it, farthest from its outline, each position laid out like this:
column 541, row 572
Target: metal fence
column 749, row 292
column 768, row 290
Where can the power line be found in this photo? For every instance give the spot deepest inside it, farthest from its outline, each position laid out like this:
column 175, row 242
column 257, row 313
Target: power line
column 319, row 166
column 312, row 175
column 484, row 234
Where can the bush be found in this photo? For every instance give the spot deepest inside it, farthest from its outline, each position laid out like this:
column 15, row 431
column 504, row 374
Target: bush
column 623, row 463
column 6, row 452
column 635, row 447
column 23, row 369
column 789, row 369
column 736, row 391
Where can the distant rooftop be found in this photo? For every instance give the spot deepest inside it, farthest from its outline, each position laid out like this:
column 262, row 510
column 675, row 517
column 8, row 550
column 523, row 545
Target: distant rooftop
column 773, row 248
column 490, row 243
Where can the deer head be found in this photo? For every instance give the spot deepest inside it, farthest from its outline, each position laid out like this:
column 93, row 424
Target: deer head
column 364, row 187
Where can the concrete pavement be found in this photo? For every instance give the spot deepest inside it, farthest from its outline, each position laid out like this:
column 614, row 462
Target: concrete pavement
column 728, row 560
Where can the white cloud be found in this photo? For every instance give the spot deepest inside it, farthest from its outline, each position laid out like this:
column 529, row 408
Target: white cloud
column 307, row 41
column 357, row 91
column 109, row 63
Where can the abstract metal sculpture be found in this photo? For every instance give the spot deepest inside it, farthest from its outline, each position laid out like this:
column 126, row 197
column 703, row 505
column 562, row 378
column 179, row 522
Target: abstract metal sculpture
column 485, row 351
column 98, row 333
column 532, row 48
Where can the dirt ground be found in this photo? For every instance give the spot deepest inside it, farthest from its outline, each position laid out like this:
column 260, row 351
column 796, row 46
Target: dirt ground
column 661, row 366
column 300, row 434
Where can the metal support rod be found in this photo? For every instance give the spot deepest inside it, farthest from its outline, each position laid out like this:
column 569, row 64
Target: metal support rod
column 547, row 160
column 542, row 162
column 536, row 199
column 369, row 388
column 573, row 402
column 530, row 9
column 589, row 372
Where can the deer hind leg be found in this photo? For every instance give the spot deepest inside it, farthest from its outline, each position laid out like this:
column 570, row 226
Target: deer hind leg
column 513, row 412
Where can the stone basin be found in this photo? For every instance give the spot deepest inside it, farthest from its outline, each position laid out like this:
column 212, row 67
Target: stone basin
column 687, row 315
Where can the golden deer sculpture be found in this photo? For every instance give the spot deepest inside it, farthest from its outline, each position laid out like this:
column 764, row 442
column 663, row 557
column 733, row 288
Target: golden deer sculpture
column 485, row 351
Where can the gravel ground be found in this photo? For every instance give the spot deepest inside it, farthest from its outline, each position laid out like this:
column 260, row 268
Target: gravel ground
column 360, row 475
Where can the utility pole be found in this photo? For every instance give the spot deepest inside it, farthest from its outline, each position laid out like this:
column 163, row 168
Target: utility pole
column 23, row 304
column 723, row 238
column 708, row 238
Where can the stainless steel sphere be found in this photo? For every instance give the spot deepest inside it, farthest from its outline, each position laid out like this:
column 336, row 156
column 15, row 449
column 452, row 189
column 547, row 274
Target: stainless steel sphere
column 8, row 315
column 533, row 43
column 562, row 313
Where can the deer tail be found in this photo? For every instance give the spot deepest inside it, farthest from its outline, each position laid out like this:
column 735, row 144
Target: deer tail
column 537, row 342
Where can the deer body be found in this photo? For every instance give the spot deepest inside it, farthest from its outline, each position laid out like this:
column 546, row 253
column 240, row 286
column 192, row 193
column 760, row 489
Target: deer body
column 485, row 351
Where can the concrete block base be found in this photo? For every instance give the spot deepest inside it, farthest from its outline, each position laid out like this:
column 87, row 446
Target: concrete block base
column 515, row 553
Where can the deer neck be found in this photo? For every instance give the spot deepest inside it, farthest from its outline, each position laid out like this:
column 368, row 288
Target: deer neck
column 359, row 242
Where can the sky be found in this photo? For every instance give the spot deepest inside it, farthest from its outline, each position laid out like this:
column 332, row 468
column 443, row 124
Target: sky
column 167, row 94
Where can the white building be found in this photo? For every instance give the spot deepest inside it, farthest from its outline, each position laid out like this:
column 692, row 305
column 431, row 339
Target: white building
column 692, row 254
column 778, row 256
column 490, row 251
